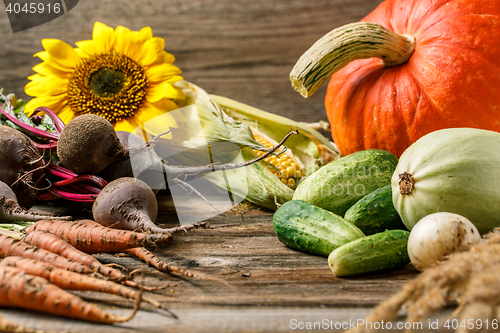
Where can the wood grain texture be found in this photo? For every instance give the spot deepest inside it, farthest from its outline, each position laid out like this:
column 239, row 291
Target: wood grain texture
column 241, row 49
column 271, row 286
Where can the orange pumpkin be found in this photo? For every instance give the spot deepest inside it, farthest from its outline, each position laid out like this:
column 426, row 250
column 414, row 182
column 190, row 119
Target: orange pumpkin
column 447, row 75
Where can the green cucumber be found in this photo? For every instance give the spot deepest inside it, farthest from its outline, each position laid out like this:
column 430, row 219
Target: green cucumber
column 371, row 254
column 375, row 212
column 340, row 184
column 306, row 227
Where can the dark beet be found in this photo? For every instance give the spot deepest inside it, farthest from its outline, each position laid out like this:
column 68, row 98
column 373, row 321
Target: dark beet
column 127, row 203
column 88, row 144
column 18, row 157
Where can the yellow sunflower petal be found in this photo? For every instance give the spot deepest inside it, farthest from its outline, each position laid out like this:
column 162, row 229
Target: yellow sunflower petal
column 164, row 57
column 45, row 85
column 157, row 113
column 63, row 52
column 174, row 79
column 102, row 36
column 55, row 103
column 54, row 62
column 125, row 125
column 87, row 47
column 161, row 73
column 81, row 54
column 146, row 33
column 154, row 120
column 123, row 36
column 66, row 114
column 174, row 92
column 156, row 92
column 136, row 40
column 46, row 69
column 150, row 51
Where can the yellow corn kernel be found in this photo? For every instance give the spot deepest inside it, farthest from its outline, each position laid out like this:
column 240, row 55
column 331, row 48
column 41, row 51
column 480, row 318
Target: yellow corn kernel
column 289, row 172
column 286, row 163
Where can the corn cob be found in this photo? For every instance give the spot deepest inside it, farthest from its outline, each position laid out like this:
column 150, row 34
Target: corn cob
column 284, row 166
column 266, row 183
column 309, row 147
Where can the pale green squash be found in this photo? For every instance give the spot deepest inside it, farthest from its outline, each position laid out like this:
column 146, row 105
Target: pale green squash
column 453, row 170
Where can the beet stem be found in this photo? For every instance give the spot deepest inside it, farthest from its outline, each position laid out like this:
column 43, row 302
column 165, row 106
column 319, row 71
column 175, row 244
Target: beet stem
column 47, row 196
column 81, row 178
column 73, row 196
column 32, row 131
column 60, row 171
column 86, row 188
column 58, row 123
column 52, row 146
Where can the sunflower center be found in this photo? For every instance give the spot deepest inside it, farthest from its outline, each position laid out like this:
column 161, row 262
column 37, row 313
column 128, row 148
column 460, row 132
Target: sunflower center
column 110, row 85
column 107, row 82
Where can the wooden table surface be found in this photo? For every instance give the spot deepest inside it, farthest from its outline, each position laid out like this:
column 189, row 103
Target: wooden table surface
column 242, row 49
column 271, row 288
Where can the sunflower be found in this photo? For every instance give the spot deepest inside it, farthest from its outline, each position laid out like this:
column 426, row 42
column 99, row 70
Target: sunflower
column 122, row 75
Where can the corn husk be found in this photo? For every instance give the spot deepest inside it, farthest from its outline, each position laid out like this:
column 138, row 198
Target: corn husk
column 305, row 145
column 216, row 125
column 207, row 134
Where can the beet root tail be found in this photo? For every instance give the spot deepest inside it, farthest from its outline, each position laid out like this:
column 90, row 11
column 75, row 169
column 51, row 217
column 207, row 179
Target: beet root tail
column 10, row 210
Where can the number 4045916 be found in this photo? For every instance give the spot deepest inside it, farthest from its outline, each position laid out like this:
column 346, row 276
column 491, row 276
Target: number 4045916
column 33, row 8
column 472, row 324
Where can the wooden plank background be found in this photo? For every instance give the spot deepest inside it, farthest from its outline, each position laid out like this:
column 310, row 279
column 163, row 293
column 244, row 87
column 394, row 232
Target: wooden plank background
column 241, row 49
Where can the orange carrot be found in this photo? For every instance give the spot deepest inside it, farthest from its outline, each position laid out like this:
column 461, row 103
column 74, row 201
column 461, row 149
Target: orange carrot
column 72, row 281
column 94, row 238
column 58, row 247
column 152, row 260
column 15, row 247
column 54, row 244
column 20, row 289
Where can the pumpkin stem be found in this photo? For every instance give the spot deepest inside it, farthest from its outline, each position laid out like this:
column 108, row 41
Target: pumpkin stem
column 336, row 49
column 406, row 183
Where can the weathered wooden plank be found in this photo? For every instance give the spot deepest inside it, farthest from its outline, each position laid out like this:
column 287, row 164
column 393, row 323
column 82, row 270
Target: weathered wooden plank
column 240, row 49
column 267, row 278
column 231, row 319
